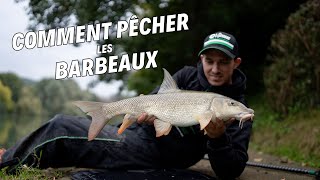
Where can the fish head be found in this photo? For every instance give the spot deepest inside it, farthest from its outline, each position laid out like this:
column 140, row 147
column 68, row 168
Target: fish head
column 227, row 108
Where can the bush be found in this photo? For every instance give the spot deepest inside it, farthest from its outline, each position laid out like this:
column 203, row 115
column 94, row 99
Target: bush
column 293, row 78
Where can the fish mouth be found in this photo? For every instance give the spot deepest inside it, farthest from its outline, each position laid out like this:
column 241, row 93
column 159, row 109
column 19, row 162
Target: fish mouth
column 246, row 117
column 249, row 111
column 243, row 117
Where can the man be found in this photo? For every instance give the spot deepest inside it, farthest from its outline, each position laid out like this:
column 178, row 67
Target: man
column 62, row 141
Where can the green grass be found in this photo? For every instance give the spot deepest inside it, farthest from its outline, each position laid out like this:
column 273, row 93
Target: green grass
column 294, row 153
column 296, row 136
column 27, row 173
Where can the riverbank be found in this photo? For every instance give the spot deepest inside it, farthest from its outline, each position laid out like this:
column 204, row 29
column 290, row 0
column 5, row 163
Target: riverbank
column 295, row 137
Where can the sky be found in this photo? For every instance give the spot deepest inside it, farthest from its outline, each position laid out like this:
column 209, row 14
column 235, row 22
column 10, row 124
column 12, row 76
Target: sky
column 39, row 63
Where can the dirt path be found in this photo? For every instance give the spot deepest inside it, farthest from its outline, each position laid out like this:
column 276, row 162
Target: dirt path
column 253, row 173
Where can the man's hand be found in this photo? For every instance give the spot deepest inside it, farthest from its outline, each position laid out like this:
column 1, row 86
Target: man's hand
column 217, row 128
column 145, row 118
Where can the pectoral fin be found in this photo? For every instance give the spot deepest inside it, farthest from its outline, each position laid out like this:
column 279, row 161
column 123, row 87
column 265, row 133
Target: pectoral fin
column 127, row 121
column 162, row 127
column 205, row 118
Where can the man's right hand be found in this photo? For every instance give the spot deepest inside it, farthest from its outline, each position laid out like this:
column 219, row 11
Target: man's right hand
column 145, row 118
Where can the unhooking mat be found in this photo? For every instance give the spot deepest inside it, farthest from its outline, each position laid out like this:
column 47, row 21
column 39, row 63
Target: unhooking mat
column 152, row 174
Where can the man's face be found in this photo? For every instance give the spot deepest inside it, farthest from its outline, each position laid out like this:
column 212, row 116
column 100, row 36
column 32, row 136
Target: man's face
column 218, row 67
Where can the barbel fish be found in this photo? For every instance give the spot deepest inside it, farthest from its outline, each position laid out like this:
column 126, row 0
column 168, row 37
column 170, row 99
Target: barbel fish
column 171, row 107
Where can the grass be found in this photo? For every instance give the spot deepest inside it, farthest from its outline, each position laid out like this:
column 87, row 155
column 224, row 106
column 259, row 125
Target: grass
column 297, row 136
column 27, row 173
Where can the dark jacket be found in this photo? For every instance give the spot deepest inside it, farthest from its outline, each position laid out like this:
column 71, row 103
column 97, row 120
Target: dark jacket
column 184, row 147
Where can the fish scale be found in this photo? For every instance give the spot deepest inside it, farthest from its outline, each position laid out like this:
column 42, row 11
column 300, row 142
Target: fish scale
column 168, row 107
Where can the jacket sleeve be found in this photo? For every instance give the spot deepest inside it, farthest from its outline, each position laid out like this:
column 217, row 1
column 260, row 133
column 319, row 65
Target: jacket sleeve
column 228, row 153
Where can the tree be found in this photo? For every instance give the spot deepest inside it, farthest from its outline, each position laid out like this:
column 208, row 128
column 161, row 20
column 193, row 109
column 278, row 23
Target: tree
column 293, row 78
column 28, row 103
column 56, row 96
column 59, row 13
column 252, row 22
column 6, row 102
column 14, row 83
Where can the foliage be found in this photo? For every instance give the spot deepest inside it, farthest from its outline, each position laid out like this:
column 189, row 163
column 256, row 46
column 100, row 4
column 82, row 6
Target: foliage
column 252, row 22
column 137, row 81
column 28, row 103
column 6, row 102
column 50, row 14
column 37, row 102
column 177, row 49
column 293, row 79
column 56, row 95
column 14, row 83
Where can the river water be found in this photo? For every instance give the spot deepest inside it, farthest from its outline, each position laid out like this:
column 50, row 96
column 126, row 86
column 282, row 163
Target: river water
column 13, row 127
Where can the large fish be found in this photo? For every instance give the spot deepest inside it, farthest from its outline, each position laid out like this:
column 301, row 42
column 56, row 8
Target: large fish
column 171, row 107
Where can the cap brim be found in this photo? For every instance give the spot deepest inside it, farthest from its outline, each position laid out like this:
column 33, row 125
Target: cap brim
column 218, row 48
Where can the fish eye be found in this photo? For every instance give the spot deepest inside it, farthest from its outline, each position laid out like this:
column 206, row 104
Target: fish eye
column 232, row 103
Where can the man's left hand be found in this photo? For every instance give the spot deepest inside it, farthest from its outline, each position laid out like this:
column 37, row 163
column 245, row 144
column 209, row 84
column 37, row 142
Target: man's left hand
column 217, row 128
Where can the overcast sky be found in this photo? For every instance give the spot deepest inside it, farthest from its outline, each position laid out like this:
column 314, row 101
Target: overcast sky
column 40, row 63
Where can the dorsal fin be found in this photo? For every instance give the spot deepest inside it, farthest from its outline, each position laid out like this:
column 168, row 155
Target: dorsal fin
column 168, row 84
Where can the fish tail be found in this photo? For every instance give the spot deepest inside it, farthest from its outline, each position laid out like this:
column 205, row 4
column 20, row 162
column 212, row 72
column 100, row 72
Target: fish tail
column 99, row 117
